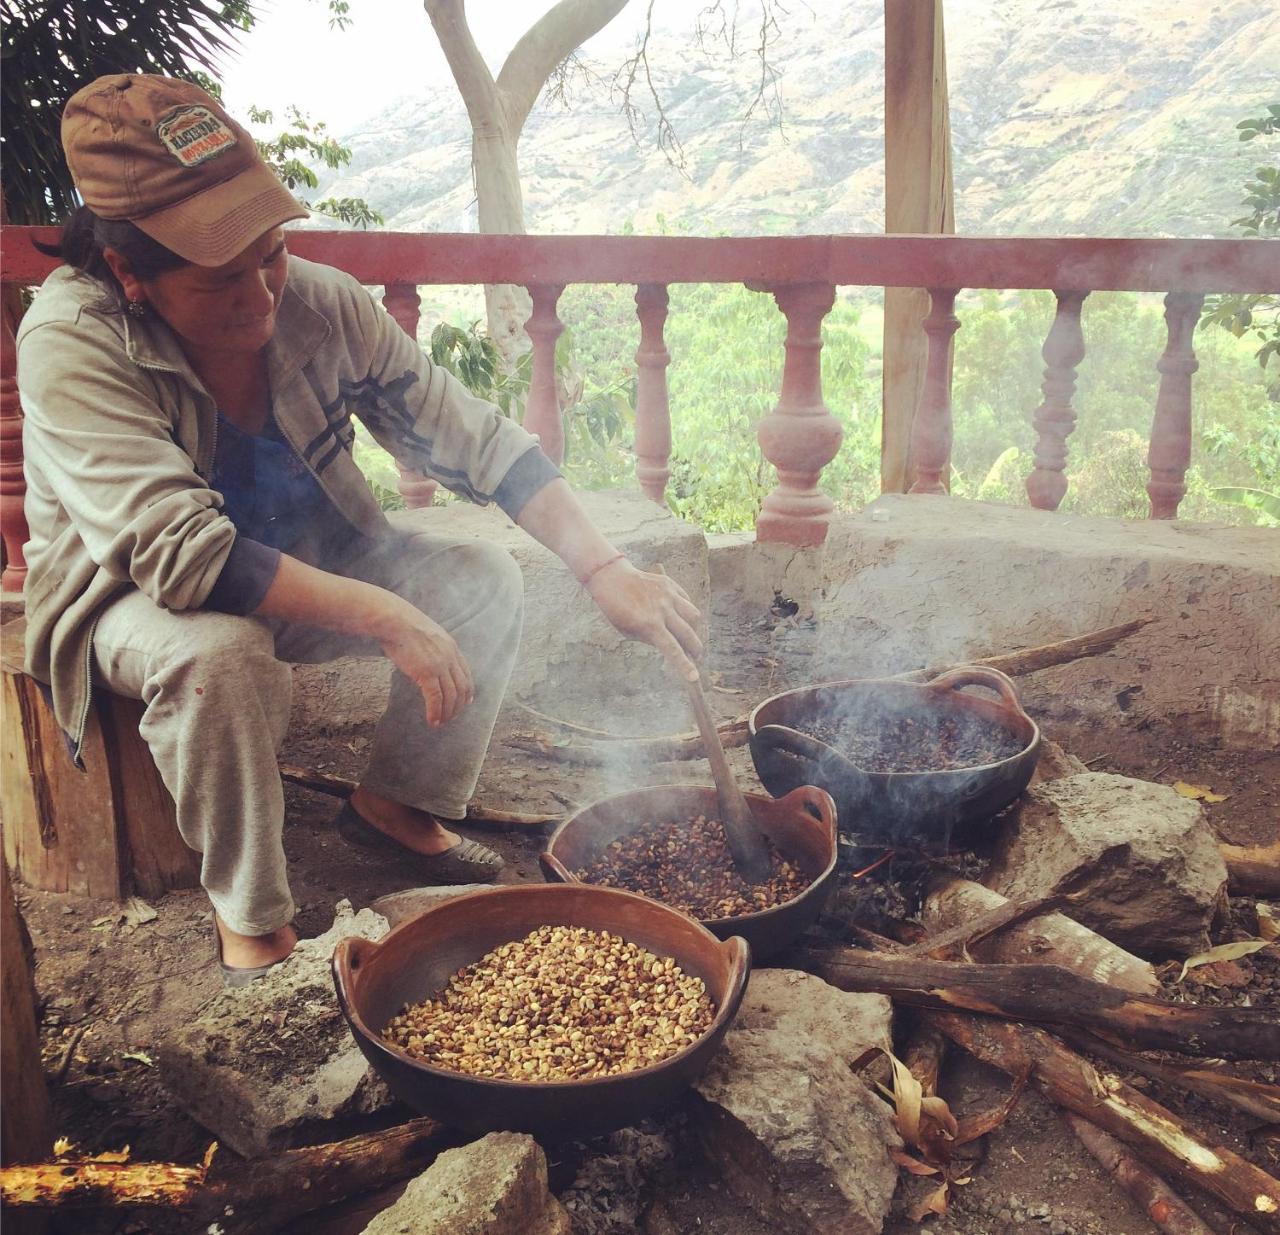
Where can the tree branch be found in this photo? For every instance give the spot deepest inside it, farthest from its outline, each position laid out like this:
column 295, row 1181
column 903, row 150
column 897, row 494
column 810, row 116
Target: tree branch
column 475, row 82
column 545, row 45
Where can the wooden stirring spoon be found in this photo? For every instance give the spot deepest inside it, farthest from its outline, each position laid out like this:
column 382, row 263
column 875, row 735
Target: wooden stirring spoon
column 746, row 842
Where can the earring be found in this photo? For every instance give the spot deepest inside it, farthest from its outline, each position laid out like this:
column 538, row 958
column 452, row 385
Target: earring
column 136, row 308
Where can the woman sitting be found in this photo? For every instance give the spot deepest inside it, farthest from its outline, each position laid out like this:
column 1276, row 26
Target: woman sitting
column 198, row 520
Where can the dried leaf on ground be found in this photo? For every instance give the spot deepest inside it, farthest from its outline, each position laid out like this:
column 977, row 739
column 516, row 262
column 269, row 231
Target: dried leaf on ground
column 1223, row 952
column 925, row 1122
column 137, row 912
column 1200, row 793
column 934, row 1203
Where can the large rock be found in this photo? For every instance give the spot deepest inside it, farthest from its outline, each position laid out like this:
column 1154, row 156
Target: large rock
column 798, row 1136
column 1142, row 857
column 494, row 1186
column 269, row 1065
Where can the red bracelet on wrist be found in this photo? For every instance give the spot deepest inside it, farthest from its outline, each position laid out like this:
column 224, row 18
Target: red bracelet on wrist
column 599, row 566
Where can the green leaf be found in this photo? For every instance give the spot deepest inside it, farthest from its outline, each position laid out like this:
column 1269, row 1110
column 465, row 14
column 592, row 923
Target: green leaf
column 1252, row 499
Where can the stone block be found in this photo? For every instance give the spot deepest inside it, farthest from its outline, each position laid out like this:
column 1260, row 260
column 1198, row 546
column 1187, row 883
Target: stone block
column 799, row 1137
column 270, row 1065
column 1145, row 862
column 917, row 580
column 494, row 1186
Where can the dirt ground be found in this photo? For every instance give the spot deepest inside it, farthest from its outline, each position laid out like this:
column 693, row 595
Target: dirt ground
column 109, row 990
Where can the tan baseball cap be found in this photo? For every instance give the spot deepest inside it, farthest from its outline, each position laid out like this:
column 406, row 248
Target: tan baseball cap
column 164, row 154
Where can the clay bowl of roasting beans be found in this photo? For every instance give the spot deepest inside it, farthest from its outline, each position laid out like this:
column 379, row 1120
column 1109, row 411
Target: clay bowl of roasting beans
column 562, row 1011
column 666, row 843
column 907, row 762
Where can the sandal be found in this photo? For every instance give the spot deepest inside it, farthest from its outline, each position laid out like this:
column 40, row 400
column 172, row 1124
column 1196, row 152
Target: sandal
column 467, row 862
column 235, row 976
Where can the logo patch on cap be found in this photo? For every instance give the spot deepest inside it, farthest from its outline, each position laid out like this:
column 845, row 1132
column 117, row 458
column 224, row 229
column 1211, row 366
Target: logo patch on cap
column 193, row 134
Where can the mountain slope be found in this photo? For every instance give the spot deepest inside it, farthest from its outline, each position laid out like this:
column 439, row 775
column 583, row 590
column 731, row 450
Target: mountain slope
column 1066, row 120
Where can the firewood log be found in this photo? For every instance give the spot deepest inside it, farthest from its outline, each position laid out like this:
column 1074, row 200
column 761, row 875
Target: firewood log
column 263, row 1193
column 1162, row 1205
column 1252, row 870
column 1049, row 939
column 1117, row 1108
column 1050, row 994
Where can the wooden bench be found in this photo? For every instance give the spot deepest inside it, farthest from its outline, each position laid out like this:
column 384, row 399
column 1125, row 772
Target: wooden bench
column 107, row 831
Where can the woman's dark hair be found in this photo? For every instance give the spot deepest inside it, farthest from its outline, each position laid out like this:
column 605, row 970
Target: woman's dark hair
column 85, row 236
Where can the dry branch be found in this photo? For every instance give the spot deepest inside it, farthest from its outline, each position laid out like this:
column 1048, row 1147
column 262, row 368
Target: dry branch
column 1046, row 655
column 958, row 938
column 593, row 751
column 1255, row 1099
column 1162, row 1205
column 268, row 1192
column 1051, row 939
column 1050, row 994
column 477, row 812
column 1121, row 1110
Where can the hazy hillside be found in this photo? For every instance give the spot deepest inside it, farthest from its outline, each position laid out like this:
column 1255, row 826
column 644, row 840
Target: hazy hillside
column 1067, row 119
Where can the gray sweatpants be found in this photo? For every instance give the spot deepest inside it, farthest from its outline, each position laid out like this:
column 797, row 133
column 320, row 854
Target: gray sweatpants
column 217, row 693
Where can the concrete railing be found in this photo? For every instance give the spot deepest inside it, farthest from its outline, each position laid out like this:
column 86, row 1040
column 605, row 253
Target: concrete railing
column 799, row 436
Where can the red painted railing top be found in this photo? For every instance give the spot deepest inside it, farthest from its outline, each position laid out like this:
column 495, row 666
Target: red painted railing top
column 1085, row 264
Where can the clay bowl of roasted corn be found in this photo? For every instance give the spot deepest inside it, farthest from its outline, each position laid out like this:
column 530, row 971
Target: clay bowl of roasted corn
column 801, row 829
column 558, row 1010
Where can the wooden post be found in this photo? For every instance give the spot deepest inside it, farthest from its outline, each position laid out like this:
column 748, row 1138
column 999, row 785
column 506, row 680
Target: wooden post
column 402, row 301
column 1055, row 417
column 542, row 412
column 653, row 410
column 800, row 436
column 931, row 430
column 1169, row 454
column 26, row 1122
column 918, row 198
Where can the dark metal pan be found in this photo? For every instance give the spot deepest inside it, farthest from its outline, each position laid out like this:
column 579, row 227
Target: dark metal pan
column 802, row 825
column 904, row 808
column 376, row 980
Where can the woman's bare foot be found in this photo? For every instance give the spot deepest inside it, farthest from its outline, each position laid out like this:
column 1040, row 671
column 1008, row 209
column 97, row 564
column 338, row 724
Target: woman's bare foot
column 414, row 829
column 252, row 951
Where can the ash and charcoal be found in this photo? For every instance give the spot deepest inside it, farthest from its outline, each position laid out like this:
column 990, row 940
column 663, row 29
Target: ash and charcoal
column 687, row 864
column 922, row 743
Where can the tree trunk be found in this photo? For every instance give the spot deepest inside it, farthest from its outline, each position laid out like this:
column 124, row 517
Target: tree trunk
column 500, row 210
column 498, row 109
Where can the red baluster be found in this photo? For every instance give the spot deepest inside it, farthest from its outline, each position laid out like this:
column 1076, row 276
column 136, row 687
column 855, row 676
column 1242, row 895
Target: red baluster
column 931, row 428
column 13, row 485
column 800, row 436
column 1169, row 454
column 1055, row 417
column 402, row 301
column 653, row 410
column 542, row 411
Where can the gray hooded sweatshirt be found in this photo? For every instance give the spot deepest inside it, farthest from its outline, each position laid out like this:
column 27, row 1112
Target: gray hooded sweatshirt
column 119, row 441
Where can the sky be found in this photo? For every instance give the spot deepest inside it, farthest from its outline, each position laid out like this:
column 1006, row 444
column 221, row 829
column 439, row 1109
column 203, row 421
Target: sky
column 342, row 76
